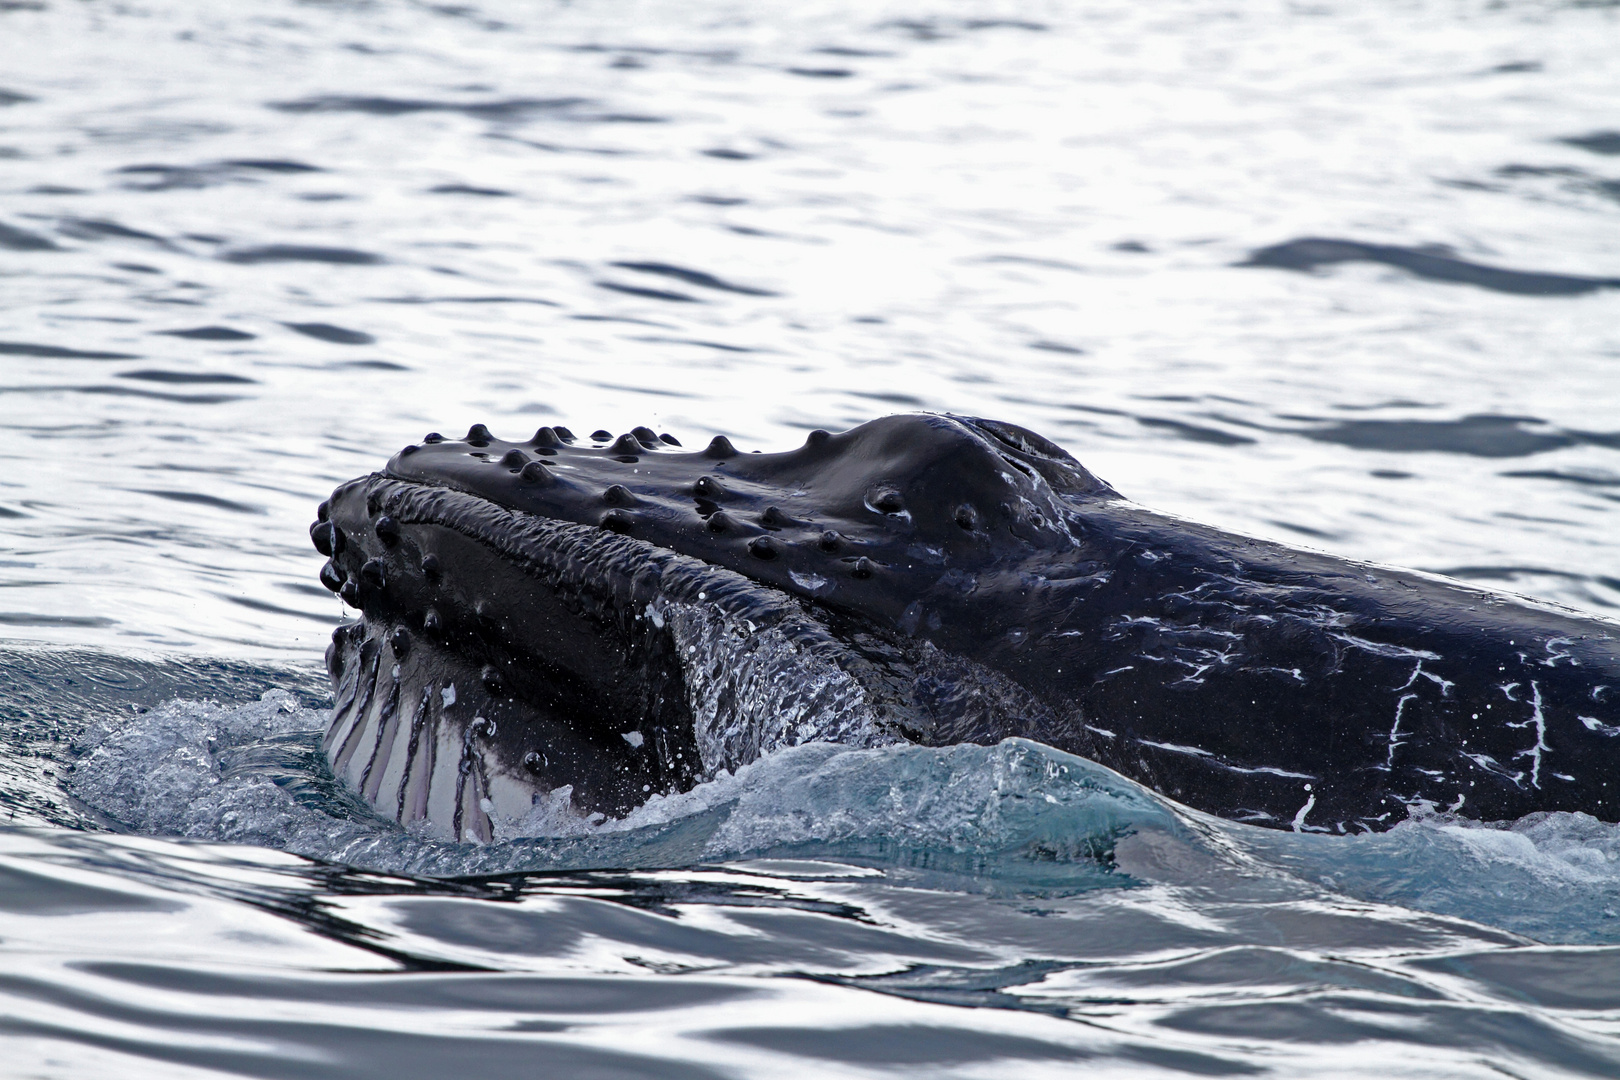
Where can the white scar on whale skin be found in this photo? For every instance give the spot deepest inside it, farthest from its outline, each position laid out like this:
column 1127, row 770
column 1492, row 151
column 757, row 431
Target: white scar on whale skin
column 1299, row 818
column 1592, row 723
column 1395, row 739
column 1445, row 685
column 1393, row 652
column 1553, row 655
column 1540, row 722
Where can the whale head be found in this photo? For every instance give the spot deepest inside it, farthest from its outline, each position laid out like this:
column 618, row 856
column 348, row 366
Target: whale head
column 618, row 616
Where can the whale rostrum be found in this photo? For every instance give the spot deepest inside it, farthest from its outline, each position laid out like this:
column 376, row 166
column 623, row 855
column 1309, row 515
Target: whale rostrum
column 577, row 625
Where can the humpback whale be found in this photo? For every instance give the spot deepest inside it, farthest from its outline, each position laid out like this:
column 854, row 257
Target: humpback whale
column 580, row 624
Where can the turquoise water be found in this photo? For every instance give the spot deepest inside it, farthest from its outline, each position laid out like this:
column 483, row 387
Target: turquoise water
column 248, row 252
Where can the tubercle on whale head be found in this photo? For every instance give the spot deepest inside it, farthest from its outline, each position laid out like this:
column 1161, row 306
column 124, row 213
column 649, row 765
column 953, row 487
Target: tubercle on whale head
column 902, row 495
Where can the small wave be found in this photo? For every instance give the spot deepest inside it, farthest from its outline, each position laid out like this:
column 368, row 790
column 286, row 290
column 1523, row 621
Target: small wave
column 1019, row 814
column 1011, row 819
column 1551, row 876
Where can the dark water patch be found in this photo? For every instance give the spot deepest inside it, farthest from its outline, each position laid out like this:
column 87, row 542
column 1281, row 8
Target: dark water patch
column 507, row 992
column 158, row 375
column 1470, row 185
column 136, row 268
column 466, row 300
column 645, row 391
column 169, row 177
column 839, row 50
column 56, row 189
column 1031, row 260
column 274, row 165
column 1342, row 1020
column 626, row 319
column 305, row 1050
column 1057, row 347
column 1558, row 978
column 15, row 239
column 911, row 1045
column 821, row 73
column 718, row 345
column 727, row 154
column 1304, row 530
column 198, row 498
column 969, row 986
column 304, row 588
column 57, row 352
column 372, row 365
column 101, row 229
column 1391, row 474
column 159, row 176
column 1540, row 170
column 337, row 335
column 210, row 333
column 889, row 398
column 13, row 97
column 29, row 618
column 1589, row 479
column 651, row 294
column 130, row 392
column 25, row 893
column 691, row 277
column 505, row 109
column 1479, row 435
column 719, row 200
column 1194, row 432
column 1578, row 179
column 274, row 253
column 468, row 189
column 1309, row 253
column 1598, row 142
column 276, row 609
column 941, row 29
column 1005, row 24
column 1518, row 67
column 7, row 512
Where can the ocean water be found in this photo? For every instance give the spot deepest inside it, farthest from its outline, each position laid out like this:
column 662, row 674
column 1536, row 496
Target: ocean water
column 1344, row 275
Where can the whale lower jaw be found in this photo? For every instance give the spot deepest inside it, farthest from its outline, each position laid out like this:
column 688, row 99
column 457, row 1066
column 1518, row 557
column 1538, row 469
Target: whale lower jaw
column 508, row 665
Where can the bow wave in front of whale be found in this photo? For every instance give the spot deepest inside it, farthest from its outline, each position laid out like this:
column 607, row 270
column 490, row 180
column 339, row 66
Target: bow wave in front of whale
column 569, row 625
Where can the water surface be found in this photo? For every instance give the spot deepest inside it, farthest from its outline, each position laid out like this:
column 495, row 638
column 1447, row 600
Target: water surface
column 1338, row 274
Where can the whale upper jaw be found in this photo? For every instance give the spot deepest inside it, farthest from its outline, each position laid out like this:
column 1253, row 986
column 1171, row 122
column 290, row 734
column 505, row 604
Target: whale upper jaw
column 861, row 520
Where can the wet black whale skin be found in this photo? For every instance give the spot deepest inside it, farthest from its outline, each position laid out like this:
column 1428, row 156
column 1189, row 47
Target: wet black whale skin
column 982, row 584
